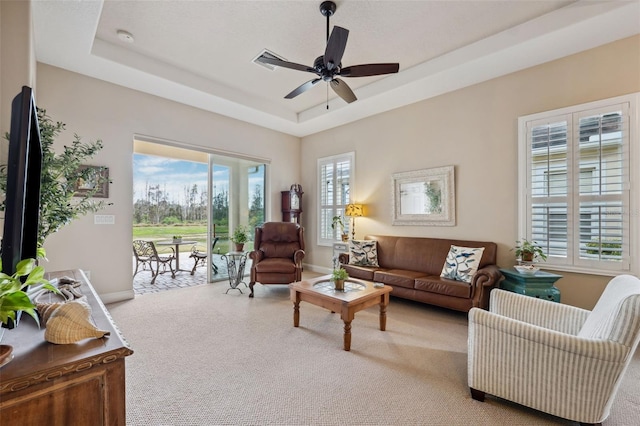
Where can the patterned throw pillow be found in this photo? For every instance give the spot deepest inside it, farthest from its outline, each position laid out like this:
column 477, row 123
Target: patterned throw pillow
column 363, row 252
column 461, row 263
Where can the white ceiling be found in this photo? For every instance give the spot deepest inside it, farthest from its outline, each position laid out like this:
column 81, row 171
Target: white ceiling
column 199, row 52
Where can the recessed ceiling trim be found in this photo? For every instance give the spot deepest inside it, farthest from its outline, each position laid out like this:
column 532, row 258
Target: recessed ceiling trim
column 63, row 38
column 154, row 77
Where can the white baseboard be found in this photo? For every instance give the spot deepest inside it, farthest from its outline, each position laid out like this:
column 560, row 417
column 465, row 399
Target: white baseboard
column 117, row 297
column 316, row 268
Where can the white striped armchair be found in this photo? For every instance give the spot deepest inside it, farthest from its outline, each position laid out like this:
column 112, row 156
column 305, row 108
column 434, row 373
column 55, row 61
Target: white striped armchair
column 555, row 358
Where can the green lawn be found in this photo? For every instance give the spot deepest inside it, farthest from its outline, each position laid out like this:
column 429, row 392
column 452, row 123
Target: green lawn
column 196, row 233
column 168, row 231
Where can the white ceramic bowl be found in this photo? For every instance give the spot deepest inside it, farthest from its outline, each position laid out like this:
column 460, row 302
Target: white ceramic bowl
column 527, row 269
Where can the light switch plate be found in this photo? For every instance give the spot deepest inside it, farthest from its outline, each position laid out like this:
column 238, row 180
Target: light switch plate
column 104, row 219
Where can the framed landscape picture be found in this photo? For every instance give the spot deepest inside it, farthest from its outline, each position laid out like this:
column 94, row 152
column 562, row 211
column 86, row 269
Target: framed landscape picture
column 98, row 176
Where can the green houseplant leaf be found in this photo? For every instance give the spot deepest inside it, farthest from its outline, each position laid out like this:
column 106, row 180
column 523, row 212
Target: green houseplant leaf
column 339, row 274
column 525, row 247
column 337, row 222
column 240, row 235
column 13, row 296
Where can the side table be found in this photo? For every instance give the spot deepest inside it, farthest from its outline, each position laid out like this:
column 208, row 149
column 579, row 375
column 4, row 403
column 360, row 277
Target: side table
column 538, row 285
column 235, row 268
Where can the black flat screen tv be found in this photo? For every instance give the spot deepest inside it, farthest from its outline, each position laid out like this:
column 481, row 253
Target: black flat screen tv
column 24, row 167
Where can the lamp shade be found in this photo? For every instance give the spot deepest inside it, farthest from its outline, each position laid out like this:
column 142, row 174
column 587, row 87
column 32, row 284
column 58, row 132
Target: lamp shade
column 354, row 210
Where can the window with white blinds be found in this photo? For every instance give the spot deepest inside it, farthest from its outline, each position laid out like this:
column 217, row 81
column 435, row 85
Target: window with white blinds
column 575, row 189
column 335, row 183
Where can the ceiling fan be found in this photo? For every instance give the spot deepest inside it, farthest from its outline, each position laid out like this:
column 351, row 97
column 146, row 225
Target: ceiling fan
column 328, row 67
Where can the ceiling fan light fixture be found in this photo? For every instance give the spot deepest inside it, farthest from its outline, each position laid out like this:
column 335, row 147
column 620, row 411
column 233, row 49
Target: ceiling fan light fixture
column 328, row 67
column 327, row 8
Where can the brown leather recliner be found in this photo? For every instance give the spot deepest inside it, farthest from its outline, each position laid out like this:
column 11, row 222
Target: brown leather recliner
column 278, row 253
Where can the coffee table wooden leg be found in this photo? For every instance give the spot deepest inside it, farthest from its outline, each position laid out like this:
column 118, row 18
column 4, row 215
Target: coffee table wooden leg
column 383, row 316
column 347, row 335
column 296, row 314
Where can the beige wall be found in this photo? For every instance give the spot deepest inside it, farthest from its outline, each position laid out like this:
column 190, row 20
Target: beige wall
column 17, row 59
column 98, row 110
column 474, row 129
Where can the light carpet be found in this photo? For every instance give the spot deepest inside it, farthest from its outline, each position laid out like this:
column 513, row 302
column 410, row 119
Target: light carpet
column 203, row 357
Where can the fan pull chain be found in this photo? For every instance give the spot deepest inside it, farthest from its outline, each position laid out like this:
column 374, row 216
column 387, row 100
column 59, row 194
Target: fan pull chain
column 327, row 96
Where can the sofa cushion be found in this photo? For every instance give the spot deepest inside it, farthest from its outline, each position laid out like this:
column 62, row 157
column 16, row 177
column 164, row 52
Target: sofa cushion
column 363, row 252
column 461, row 263
column 361, row 272
column 398, row 277
column 444, row 286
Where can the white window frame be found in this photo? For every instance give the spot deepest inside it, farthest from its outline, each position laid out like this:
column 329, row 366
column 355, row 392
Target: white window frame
column 631, row 259
column 333, row 205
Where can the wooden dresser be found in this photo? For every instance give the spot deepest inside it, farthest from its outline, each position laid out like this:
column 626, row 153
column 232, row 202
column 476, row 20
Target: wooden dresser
column 75, row 384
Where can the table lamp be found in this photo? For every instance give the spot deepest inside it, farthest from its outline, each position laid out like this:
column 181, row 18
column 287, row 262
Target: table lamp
column 353, row 211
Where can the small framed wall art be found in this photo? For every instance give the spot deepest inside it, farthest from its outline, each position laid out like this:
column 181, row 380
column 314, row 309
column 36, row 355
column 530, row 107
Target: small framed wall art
column 97, row 179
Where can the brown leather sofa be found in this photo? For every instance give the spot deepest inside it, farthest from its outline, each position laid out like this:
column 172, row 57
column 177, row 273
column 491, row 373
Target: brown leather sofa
column 278, row 253
column 412, row 266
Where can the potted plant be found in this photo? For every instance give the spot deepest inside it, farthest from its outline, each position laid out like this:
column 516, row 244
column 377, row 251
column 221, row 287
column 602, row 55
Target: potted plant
column 527, row 251
column 337, row 222
column 339, row 276
column 13, row 297
column 177, row 238
column 240, row 237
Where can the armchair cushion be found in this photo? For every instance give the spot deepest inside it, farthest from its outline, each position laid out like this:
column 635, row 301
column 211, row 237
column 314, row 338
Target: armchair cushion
column 276, row 265
column 273, row 249
column 602, row 318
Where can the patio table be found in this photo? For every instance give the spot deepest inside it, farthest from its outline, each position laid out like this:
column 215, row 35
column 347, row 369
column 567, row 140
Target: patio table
column 177, row 245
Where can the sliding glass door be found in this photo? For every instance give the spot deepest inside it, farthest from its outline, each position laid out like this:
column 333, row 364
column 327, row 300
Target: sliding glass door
column 237, row 190
column 202, row 196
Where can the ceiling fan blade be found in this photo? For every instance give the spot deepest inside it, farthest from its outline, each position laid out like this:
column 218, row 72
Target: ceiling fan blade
column 343, row 90
column 369, row 70
column 335, row 47
column 302, row 88
column 285, row 64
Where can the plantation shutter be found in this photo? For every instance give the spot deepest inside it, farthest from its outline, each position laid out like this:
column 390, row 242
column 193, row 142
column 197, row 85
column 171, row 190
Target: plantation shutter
column 578, row 187
column 602, row 187
column 550, row 201
column 334, row 187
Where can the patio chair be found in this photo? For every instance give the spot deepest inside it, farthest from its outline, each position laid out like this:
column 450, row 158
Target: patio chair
column 200, row 257
column 146, row 254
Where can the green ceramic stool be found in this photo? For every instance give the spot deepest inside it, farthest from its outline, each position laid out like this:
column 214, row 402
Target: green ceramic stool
column 538, row 285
